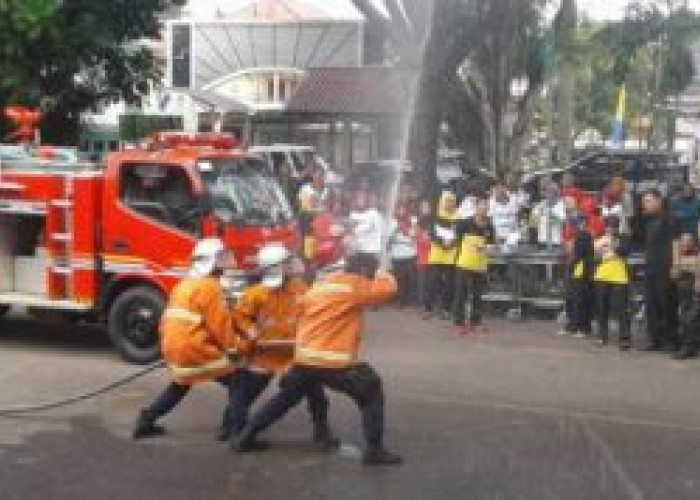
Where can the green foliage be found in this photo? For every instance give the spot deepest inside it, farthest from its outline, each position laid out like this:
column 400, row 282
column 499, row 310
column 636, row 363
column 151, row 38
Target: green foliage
column 648, row 51
column 70, row 56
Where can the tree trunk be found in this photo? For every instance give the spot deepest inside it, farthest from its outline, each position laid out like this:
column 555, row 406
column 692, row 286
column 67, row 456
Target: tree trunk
column 427, row 115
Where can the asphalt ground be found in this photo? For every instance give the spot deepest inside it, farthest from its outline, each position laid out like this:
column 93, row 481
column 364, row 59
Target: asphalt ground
column 520, row 413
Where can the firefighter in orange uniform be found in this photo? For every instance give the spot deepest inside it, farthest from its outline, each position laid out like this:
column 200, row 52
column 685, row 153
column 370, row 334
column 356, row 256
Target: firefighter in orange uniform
column 197, row 333
column 326, row 352
column 268, row 312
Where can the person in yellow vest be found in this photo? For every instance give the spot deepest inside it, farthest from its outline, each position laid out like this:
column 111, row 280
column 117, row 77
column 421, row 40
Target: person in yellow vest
column 268, row 312
column 312, row 199
column 196, row 335
column 612, row 280
column 441, row 259
column 474, row 235
column 329, row 333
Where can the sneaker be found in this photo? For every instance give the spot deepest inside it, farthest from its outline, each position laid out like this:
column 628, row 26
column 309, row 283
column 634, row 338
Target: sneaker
column 601, row 342
column 563, row 332
column 481, row 329
column 246, row 442
column 462, row 330
column 147, row 428
column 580, row 335
column 380, row 456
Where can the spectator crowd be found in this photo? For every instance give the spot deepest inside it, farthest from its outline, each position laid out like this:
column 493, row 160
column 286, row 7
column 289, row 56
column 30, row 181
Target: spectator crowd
column 441, row 247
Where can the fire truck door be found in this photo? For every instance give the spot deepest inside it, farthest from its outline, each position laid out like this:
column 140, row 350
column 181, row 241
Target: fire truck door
column 155, row 222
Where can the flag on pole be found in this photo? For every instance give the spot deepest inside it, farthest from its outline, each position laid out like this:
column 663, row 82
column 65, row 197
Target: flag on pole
column 618, row 132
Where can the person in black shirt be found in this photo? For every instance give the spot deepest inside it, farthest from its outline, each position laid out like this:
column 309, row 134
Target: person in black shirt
column 579, row 289
column 660, row 292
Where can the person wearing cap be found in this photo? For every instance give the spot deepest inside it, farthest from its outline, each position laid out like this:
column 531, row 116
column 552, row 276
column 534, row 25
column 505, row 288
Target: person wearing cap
column 196, row 335
column 268, row 313
column 612, row 282
column 329, row 333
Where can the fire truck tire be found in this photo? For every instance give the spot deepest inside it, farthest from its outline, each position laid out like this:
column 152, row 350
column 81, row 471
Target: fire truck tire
column 4, row 310
column 132, row 323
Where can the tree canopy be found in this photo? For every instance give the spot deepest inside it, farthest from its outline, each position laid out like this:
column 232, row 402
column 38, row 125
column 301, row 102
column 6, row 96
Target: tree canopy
column 500, row 75
column 70, row 56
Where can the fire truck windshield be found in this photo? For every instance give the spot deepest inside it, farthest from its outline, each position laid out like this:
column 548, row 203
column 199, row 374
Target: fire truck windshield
column 244, row 192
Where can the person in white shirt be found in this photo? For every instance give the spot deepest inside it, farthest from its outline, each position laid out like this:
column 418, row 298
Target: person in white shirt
column 466, row 207
column 551, row 216
column 503, row 211
column 313, row 195
column 520, row 197
column 403, row 232
column 368, row 227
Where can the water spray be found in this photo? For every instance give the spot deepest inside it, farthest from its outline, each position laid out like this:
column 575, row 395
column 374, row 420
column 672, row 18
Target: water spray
column 406, row 139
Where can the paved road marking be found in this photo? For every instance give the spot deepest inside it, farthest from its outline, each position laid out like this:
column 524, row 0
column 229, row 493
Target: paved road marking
column 633, row 491
column 549, row 410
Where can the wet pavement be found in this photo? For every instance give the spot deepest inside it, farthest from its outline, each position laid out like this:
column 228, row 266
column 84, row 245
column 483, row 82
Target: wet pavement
column 520, row 413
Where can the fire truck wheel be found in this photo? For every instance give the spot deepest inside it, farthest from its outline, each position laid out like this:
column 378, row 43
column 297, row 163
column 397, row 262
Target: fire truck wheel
column 4, row 310
column 132, row 323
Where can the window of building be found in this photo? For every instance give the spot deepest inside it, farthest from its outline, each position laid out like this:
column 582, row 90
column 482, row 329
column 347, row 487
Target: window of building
column 270, row 88
column 162, row 193
column 181, row 51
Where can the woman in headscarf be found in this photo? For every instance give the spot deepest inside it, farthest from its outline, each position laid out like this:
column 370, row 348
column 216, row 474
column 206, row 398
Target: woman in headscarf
column 443, row 251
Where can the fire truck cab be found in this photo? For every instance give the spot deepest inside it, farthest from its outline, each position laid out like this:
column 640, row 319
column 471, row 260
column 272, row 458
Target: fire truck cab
column 108, row 242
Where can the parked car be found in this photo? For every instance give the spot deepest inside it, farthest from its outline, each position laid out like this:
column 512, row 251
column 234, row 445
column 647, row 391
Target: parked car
column 643, row 169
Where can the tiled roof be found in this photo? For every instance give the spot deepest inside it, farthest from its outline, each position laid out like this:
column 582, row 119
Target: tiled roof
column 365, row 90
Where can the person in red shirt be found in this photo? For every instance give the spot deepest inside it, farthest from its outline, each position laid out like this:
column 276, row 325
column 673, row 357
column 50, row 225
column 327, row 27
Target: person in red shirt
column 423, row 247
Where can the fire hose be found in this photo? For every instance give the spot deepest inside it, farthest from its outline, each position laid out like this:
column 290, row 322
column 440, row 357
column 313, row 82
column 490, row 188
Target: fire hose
column 111, row 386
column 50, row 405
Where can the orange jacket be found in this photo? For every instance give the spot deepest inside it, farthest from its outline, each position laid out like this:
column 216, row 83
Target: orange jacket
column 330, row 325
column 196, row 331
column 273, row 314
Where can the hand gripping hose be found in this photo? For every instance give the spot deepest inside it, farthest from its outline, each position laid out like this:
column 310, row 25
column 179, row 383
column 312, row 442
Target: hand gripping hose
column 40, row 407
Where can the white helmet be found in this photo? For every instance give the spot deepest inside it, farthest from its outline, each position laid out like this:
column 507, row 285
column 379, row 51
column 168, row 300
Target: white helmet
column 209, row 255
column 271, row 260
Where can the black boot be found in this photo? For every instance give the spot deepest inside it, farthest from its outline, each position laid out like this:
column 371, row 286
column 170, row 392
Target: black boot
column 146, row 426
column 246, row 441
column 324, row 440
column 380, row 456
column 683, row 354
column 224, row 433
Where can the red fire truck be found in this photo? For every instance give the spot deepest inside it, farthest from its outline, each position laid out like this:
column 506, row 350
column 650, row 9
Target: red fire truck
column 107, row 242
